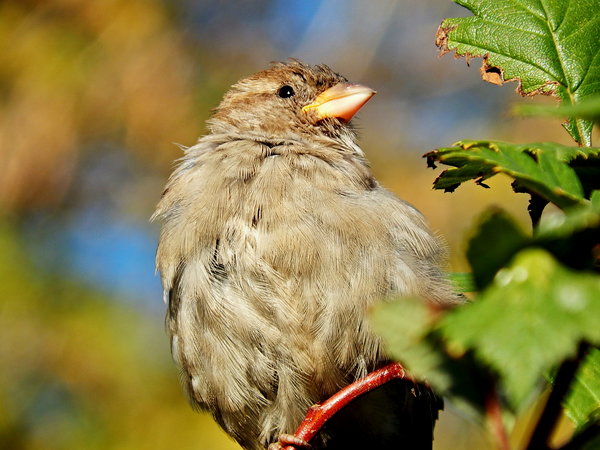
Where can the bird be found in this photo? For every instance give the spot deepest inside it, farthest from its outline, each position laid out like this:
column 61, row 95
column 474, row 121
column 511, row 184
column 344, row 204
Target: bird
column 275, row 242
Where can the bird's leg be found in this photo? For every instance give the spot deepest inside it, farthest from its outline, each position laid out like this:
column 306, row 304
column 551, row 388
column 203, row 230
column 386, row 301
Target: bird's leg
column 318, row 414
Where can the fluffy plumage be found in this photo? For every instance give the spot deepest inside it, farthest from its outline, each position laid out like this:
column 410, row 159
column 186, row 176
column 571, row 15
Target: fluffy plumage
column 275, row 241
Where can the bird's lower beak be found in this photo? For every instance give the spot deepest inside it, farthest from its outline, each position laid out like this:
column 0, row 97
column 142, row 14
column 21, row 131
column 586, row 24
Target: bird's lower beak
column 342, row 101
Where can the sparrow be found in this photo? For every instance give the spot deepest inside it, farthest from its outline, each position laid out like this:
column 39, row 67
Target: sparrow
column 275, row 241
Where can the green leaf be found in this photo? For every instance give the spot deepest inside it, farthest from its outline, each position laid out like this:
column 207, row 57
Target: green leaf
column 407, row 327
column 463, row 282
column 475, row 170
column 588, row 171
column 563, row 225
column 496, row 240
column 548, row 46
column 531, row 318
column 540, row 167
column 587, row 109
column 583, row 401
column 404, row 324
column 572, row 235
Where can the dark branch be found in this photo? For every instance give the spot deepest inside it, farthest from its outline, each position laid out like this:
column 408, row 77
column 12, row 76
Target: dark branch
column 551, row 413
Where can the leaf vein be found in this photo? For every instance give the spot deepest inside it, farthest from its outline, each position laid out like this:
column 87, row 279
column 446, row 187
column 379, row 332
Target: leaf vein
column 591, row 391
column 531, row 11
column 512, row 27
column 587, row 70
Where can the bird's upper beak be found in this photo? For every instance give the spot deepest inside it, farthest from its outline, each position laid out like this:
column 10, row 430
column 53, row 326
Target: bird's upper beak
column 342, row 101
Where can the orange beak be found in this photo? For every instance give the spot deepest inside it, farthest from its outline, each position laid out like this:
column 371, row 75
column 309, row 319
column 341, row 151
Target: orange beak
column 342, row 101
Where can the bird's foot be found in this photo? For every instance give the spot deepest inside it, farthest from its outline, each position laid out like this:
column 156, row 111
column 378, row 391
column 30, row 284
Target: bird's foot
column 287, row 442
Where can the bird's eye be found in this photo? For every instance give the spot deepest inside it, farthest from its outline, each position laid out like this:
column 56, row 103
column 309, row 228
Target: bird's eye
column 285, row 91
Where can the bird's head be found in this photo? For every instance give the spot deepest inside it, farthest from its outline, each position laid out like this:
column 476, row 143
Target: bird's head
column 289, row 100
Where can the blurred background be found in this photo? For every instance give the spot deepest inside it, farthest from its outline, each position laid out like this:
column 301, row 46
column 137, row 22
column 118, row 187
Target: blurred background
column 94, row 97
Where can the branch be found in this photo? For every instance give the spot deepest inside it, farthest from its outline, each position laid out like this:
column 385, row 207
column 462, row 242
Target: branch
column 551, row 413
column 493, row 411
column 536, row 205
column 318, row 414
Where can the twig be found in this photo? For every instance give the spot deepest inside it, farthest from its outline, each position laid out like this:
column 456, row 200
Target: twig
column 536, row 205
column 493, row 411
column 551, row 413
column 318, row 414
column 535, row 208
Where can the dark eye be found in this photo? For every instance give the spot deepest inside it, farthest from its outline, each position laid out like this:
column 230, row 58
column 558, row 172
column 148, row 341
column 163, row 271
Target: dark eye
column 285, row 91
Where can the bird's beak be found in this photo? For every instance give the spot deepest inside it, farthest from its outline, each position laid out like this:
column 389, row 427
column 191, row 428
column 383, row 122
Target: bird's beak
column 342, row 101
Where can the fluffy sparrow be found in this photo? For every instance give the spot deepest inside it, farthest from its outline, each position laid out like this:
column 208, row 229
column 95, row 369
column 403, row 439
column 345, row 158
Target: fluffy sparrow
column 275, row 241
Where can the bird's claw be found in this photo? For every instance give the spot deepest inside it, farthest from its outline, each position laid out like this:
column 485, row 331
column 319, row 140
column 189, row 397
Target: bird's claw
column 286, row 440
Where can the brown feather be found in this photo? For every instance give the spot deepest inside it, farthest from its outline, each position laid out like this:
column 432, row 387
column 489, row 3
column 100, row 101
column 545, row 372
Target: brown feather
column 275, row 241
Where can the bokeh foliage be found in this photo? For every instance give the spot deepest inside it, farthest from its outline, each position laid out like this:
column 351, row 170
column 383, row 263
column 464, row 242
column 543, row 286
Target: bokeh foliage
column 73, row 73
column 80, row 371
column 78, row 367
column 93, row 94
